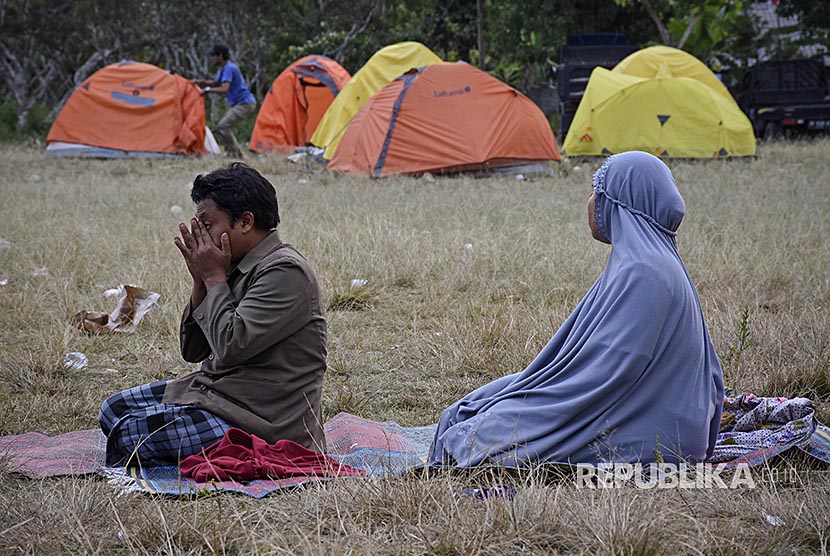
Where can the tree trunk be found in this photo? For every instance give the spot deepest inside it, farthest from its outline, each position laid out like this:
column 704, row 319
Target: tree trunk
column 691, row 25
column 480, row 19
column 661, row 27
column 355, row 32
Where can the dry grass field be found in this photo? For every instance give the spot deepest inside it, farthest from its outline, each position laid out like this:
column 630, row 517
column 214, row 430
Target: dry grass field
column 436, row 319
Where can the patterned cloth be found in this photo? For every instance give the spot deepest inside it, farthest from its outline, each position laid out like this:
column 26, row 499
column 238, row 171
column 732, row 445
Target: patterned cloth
column 37, row 456
column 753, row 425
column 381, row 449
column 141, row 430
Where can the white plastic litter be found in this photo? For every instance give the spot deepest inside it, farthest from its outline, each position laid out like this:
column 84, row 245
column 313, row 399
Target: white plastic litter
column 359, row 282
column 302, row 181
column 5, row 243
column 114, row 292
column 577, row 169
column 176, row 210
column 468, row 246
column 428, row 177
column 4, row 282
column 296, row 157
column 211, row 146
column 520, row 177
column 40, row 271
column 75, row 360
column 774, row 520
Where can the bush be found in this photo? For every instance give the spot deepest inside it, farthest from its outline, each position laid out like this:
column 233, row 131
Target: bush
column 36, row 124
column 8, row 121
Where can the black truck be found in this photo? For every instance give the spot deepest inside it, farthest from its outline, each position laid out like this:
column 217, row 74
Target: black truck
column 786, row 97
column 577, row 60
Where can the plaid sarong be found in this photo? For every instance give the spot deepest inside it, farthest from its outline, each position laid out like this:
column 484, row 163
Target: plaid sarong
column 142, row 430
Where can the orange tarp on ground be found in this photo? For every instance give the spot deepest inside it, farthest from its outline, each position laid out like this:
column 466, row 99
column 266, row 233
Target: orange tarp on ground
column 135, row 107
column 444, row 117
column 295, row 104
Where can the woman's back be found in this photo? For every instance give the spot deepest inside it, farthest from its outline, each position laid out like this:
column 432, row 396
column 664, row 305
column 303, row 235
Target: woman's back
column 631, row 371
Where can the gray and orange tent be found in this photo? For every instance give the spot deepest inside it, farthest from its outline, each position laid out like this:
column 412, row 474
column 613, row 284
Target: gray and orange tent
column 295, row 104
column 130, row 109
column 385, row 65
column 446, row 117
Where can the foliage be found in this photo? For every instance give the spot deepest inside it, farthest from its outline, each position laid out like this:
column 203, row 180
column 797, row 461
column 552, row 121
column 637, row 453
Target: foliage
column 722, row 29
column 742, row 336
column 47, row 47
column 8, row 121
column 812, row 27
column 814, row 18
column 35, row 126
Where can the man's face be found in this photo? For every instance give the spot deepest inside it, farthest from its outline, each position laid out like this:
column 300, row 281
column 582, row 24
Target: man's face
column 217, row 222
column 216, row 59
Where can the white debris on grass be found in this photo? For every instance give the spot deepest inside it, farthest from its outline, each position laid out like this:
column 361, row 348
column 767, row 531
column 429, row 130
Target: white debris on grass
column 774, row 520
column 5, row 243
column 176, row 210
column 113, row 292
column 40, row 271
column 75, row 360
column 359, row 282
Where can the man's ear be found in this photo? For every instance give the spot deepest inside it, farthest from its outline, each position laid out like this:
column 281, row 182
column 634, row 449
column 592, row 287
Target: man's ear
column 247, row 221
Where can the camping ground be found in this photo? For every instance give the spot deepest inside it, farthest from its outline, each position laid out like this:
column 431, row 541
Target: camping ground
column 466, row 280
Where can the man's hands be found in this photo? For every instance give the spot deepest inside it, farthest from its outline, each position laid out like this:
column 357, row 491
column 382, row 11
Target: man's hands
column 207, row 262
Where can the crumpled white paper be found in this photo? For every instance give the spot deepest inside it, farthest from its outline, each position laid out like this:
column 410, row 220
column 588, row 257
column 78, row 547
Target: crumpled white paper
column 133, row 304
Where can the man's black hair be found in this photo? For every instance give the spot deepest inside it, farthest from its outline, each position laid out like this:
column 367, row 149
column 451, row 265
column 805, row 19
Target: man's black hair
column 222, row 50
column 237, row 188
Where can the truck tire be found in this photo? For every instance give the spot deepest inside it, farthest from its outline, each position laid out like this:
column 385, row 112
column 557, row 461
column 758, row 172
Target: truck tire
column 772, row 131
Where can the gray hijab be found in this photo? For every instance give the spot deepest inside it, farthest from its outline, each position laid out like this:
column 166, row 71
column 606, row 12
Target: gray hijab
column 630, row 374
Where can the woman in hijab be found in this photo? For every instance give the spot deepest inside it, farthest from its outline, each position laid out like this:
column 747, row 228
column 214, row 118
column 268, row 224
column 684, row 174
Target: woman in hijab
column 631, row 376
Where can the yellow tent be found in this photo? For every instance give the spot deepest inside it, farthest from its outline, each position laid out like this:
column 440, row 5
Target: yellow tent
column 665, row 61
column 659, row 111
column 385, row 65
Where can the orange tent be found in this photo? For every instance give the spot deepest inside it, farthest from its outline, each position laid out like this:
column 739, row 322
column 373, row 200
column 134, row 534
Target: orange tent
column 295, row 104
column 131, row 108
column 445, row 117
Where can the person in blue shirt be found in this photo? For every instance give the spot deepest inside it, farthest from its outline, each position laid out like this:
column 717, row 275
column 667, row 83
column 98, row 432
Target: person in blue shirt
column 229, row 82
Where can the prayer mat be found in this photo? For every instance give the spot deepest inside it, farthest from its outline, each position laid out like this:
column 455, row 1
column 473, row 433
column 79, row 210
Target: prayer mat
column 754, row 429
column 36, row 455
column 385, row 448
column 378, row 448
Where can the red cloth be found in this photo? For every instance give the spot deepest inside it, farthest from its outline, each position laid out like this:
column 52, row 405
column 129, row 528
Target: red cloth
column 241, row 456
